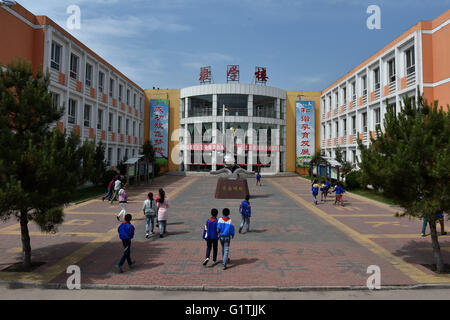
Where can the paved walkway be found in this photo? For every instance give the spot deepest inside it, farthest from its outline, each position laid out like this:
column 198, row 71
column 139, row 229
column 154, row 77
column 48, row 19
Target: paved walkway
column 292, row 242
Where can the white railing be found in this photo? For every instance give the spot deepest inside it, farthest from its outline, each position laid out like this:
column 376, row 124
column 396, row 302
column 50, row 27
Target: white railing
column 411, row 79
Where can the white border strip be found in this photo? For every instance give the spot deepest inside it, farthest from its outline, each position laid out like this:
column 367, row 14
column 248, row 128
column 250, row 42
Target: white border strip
column 443, row 25
column 436, row 84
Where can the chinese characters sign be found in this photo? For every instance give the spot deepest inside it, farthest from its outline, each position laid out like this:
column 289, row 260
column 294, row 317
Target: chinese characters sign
column 261, row 75
column 232, row 73
column 159, row 127
column 205, row 75
column 305, row 133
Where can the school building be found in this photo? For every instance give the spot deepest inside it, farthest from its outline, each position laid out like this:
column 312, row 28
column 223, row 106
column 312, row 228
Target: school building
column 355, row 104
column 103, row 104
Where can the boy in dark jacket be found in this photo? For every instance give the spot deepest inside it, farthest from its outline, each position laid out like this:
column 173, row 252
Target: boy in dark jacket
column 126, row 233
column 211, row 237
column 225, row 229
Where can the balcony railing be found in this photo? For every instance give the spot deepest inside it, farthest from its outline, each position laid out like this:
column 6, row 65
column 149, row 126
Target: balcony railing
column 411, row 79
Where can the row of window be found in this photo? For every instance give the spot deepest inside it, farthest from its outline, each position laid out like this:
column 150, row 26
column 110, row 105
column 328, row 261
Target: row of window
column 55, row 63
column 353, row 127
column 120, row 157
column 409, row 56
column 130, row 127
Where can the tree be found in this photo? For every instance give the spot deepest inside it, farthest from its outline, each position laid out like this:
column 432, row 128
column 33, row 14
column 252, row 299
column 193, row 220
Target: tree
column 40, row 168
column 99, row 165
column 410, row 162
column 318, row 158
column 149, row 155
column 346, row 166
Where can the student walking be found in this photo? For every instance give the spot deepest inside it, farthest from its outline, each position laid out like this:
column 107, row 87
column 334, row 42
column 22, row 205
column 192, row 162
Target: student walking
column 211, row 237
column 150, row 210
column 123, row 201
column 324, row 190
column 440, row 218
column 339, row 194
column 258, row 179
column 110, row 190
column 117, row 186
column 225, row 230
column 315, row 190
column 246, row 212
column 126, row 233
column 163, row 205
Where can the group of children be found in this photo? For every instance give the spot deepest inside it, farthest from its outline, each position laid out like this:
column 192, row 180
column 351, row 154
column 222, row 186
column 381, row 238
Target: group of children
column 214, row 230
column 324, row 188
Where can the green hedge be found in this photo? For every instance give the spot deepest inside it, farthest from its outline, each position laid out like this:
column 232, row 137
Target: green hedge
column 353, row 180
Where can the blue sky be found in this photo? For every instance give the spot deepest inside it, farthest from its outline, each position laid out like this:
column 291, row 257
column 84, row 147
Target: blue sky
column 305, row 44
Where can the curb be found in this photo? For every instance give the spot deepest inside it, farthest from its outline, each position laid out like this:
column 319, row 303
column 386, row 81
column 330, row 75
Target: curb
column 63, row 286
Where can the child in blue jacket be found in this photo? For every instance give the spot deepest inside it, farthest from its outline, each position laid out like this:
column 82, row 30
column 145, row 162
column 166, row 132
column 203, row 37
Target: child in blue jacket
column 211, row 237
column 225, row 230
column 315, row 190
column 339, row 192
column 126, row 233
column 246, row 212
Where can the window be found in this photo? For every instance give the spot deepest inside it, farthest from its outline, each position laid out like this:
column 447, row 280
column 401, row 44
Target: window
column 140, row 104
column 391, row 70
column 364, row 85
column 344, row 95
column 134, row 101
column 126, row 154
column 364, row 122
column 337, row 129
column 376, row 78
column 100, row 119
column 344, row 126
column 72, row 113
column 337, row 99
column 353, row 124
column 109, row 156
column 74, row 60
column 119, row 155
column 55, row 61
column 353, row 90
column 119, row 124
column 55, row 98
column 101, row 81
column 120, row 92
column 127, row 124
column 88, row 75
column 87, row 115
column 377, row 116
column 354, row 156
column 128, row 97
column 134, row 128
column 410, row 61
column 111, row 87
column 110, row 122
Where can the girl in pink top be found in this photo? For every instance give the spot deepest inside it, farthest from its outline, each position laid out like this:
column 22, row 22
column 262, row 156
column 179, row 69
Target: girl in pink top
column 162, row 204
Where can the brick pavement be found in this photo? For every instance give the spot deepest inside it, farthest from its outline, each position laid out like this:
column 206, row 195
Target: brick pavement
column 292, row 242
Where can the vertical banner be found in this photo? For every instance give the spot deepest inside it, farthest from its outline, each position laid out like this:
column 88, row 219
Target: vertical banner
column 159, row 129
column 305, row 131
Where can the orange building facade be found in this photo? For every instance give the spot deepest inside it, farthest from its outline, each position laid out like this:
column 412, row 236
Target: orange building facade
column 355, row 105
column 101, row 103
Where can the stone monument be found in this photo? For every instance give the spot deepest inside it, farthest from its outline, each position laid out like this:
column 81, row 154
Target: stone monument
column 232, row 186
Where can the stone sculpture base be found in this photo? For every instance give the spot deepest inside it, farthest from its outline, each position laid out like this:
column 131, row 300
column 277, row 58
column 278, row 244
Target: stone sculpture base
column 231, row 189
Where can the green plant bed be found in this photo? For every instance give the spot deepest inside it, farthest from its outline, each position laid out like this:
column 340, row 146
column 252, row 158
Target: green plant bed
column 372, row 194
column 87, row 193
